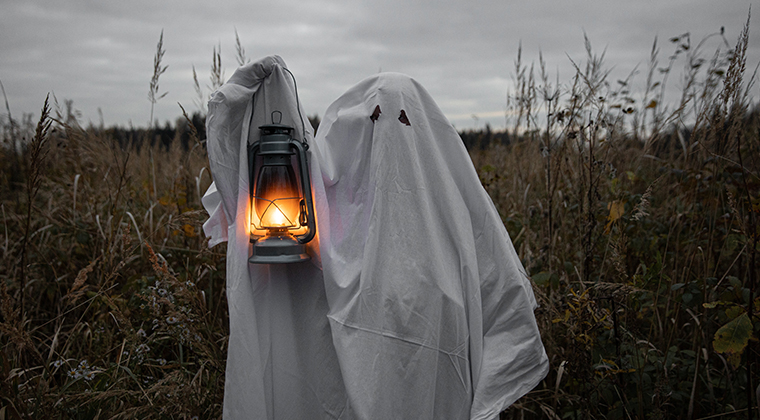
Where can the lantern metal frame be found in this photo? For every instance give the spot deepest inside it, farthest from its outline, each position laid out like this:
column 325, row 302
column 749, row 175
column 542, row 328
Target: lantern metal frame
column 275, row 147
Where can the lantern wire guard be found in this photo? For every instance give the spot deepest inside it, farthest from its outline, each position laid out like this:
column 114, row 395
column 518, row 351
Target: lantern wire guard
column 281, row 207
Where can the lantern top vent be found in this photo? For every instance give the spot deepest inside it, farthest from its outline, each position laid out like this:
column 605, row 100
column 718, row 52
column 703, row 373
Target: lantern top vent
column 276, row 127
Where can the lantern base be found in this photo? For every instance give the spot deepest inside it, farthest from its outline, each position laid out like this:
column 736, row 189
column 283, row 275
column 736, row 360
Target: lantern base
column 278, row 249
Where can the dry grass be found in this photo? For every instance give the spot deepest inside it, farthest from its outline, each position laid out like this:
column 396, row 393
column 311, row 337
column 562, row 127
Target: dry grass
column 637, row 222
column 124, row 313
column 639, row 226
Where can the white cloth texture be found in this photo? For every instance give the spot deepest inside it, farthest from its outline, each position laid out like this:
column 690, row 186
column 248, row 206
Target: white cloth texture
column 415, row 304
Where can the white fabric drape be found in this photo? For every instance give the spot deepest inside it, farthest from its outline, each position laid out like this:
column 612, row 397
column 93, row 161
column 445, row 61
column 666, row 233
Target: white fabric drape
column 281, row 363
column 415, row 304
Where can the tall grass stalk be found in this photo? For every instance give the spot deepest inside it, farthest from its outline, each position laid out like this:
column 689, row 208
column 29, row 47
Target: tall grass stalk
column 200, row 99
column 240, row 51
column 37, row 154
column 217, row 73
column 153, row 93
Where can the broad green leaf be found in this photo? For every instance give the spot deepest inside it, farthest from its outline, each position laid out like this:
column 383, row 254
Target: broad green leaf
column 734, row 311
column 732, row 338
column 542, row 278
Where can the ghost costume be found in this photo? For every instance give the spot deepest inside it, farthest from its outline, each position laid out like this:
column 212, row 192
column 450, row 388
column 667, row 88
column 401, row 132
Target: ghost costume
column 415, row 304
column 281, row 363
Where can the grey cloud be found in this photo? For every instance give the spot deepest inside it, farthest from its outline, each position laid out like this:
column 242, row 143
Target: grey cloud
column 100, row 54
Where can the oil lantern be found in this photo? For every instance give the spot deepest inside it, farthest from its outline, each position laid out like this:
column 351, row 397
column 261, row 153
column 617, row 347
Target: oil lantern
column 282, row 211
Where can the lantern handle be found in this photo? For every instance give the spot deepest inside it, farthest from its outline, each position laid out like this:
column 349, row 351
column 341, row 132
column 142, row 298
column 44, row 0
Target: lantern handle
column 298, row 105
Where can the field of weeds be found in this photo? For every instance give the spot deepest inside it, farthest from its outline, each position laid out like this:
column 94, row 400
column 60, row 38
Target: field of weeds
column 637, row 221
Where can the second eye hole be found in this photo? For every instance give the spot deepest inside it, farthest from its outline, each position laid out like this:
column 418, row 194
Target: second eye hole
column 404, row 120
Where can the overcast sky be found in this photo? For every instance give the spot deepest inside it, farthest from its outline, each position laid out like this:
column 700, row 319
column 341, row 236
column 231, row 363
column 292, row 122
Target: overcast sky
column 100, row 53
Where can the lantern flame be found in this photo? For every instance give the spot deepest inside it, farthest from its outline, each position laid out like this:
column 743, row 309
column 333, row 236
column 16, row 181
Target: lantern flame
column 277, row 201
column 278, row 213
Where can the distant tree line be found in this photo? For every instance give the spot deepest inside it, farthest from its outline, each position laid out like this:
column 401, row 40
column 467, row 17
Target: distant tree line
column 671, row 142
column 160, row 136
column 473, row 139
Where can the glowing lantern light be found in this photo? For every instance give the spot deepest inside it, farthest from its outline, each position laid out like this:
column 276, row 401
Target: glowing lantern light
column 282, row 212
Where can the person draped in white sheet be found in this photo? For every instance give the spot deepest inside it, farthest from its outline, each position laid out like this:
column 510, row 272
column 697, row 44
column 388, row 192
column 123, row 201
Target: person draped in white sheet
column 415, row 304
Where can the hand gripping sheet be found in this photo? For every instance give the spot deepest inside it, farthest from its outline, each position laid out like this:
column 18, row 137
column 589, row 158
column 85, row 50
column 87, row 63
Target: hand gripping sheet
column 422, row 310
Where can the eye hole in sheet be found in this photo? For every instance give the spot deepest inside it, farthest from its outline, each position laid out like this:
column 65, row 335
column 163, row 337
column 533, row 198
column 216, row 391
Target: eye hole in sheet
column 403, row 118
column 375, row 114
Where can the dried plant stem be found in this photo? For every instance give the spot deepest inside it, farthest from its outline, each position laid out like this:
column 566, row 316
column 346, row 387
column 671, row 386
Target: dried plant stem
column 8, row 109
column 193, row 131
column 5, row 225
column 37, row 154
column 200, row 100
column 217, row 74
column 158, row 70
column 15, row 164
column 752, row 230
column 74, row 205
column 241, row 59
